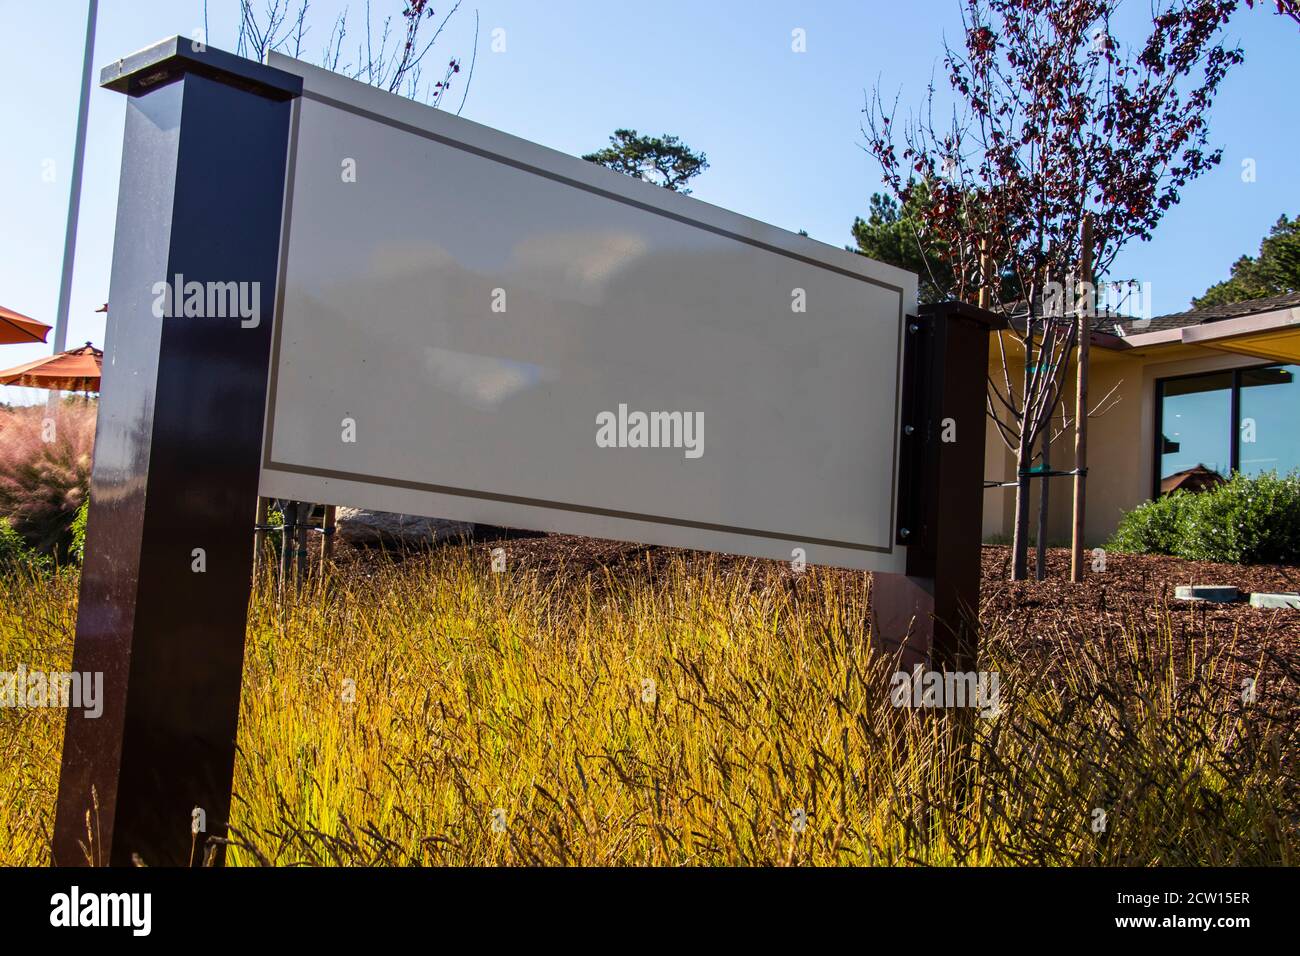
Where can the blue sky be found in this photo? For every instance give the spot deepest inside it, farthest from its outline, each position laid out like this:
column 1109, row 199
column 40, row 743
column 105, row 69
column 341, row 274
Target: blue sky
column 781, row 129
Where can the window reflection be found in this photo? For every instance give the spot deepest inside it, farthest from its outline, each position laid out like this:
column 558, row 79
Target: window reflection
column 1269, row 430
column 1196, row 427
column 1199, row 445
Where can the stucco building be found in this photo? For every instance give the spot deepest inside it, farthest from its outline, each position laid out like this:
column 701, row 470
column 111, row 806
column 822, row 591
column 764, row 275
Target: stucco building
column 1215, row 388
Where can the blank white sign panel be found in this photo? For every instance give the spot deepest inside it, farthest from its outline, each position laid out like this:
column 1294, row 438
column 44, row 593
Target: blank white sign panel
column 470, row 325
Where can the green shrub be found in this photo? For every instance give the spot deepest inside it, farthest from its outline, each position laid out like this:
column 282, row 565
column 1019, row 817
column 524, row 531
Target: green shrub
column 273, row 541
column 1154, row 527
column 14, row 552
column 12, row 548
column 1246, row 520
column 78, row 548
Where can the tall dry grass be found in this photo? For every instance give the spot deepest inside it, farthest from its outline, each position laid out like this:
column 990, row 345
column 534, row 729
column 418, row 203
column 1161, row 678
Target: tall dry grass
column 431, row 712
column 38, row 615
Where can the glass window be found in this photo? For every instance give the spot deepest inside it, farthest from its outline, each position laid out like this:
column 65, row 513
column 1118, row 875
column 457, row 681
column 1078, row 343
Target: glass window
column 1269, row 430
column 1196, row 426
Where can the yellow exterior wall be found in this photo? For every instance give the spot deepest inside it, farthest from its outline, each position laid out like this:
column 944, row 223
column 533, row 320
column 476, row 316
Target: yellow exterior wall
column 1121, row 441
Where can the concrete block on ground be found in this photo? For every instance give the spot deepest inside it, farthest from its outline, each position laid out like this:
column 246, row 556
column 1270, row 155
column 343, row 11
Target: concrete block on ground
column 1284, row 599
column 1218, row 593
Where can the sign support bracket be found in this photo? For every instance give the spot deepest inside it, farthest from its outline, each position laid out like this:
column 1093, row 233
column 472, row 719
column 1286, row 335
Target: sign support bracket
column 931, row 612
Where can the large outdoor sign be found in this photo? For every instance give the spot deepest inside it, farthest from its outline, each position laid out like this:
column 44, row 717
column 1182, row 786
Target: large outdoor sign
column 322, row 292
column 473, row 326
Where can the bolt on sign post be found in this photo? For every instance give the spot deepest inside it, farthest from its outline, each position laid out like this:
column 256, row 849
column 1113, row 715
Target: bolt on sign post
column 325, row 292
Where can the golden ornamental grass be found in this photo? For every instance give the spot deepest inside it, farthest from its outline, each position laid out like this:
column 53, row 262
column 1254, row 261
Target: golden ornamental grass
column 430, row 712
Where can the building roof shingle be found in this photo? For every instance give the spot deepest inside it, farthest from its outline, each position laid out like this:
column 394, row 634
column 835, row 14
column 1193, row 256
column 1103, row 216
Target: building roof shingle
column 1211, row 313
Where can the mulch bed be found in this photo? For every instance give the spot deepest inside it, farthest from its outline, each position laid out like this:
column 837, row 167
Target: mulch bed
column 1139, row 587
column 1137, row 590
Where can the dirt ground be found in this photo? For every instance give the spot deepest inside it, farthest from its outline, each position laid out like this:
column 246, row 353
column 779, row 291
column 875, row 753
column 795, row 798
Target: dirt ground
column 1140, row 587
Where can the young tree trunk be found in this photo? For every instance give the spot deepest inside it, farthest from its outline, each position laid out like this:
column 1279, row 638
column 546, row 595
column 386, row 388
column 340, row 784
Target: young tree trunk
column 1086, row 307
column 288, row 545
column 1020, row 534
column 1044, row 496
column 1024, row 451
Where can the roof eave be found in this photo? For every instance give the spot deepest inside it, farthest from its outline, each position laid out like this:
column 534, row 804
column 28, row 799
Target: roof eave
column 1276, row 321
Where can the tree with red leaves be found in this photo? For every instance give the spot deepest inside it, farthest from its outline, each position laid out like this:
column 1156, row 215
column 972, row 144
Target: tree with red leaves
column 1283, row 8
column 1058, row 121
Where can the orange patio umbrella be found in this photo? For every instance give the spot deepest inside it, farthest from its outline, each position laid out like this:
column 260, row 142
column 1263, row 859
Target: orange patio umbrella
column 76, row 370
column 16, row 327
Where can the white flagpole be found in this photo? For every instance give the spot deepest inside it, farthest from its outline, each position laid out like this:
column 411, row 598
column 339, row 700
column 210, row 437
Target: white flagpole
column 74, row 194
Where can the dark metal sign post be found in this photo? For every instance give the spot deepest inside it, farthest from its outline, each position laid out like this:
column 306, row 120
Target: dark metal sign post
column 165, row 586
column 932, row 611
column 169, row 555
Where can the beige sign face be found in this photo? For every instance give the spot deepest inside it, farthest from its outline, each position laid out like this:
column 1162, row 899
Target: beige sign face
column 476, row 327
